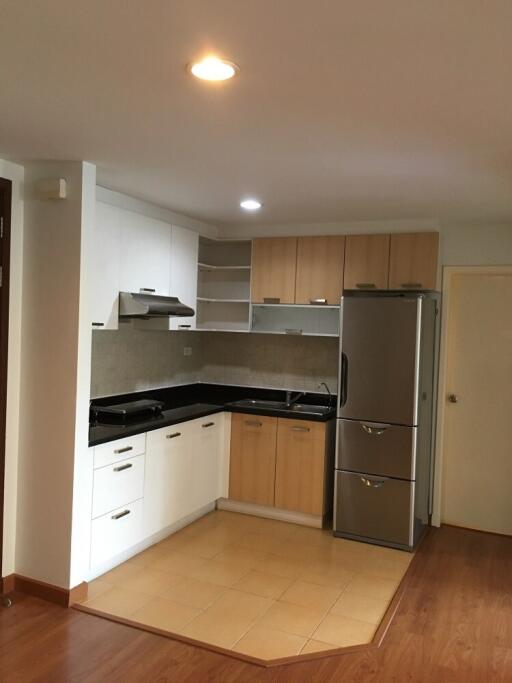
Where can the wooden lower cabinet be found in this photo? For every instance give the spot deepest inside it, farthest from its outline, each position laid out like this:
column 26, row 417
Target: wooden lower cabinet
column 253, row 458
column 282, row 463
column 300, row 466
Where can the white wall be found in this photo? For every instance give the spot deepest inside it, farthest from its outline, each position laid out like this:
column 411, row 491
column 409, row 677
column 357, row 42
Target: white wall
column 54, row 370
column 15, row 173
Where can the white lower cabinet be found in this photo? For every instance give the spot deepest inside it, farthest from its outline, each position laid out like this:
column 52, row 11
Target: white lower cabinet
column 115, row 532
column 206, row 460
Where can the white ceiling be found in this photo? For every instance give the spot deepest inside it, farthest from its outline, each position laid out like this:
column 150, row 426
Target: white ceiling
column 361, row 110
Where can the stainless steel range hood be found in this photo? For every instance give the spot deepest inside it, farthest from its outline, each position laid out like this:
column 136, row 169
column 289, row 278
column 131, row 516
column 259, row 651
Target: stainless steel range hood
column 132, row 305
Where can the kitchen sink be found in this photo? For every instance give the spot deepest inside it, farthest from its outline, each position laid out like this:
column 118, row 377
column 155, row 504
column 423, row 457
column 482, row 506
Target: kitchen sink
column 303, row 408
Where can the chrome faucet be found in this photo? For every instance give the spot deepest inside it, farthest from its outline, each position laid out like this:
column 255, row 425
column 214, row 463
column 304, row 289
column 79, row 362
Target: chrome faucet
column 291, row 399
column 324, row 384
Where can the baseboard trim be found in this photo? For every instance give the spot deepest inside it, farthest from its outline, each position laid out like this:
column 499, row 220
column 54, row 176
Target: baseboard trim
column 46, row 591
column 302, row 518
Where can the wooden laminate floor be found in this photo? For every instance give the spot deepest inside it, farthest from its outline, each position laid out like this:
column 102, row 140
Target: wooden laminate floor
column 453, row 624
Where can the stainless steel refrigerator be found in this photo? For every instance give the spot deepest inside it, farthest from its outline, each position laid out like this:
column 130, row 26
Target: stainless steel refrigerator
column 385, row 409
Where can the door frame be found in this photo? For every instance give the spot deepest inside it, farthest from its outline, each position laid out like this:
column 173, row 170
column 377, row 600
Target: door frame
column 448, row 273
column 5, row 255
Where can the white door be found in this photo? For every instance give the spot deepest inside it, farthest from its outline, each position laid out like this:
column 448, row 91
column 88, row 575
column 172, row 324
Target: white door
column 477, row 443
column 103, row 272
column 184, row 248
column 145, row 254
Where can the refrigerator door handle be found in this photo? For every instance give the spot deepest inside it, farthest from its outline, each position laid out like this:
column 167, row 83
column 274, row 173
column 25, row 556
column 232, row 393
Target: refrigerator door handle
column 373, row 429
column 344, row 379
column 373, row 482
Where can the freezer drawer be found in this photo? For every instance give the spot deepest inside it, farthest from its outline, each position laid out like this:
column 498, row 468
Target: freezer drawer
column 377, row 448
column 374, row 508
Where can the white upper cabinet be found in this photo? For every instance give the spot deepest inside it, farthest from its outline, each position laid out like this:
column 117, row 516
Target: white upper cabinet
column 103, row 270
column 145, row 254
column 183, row 281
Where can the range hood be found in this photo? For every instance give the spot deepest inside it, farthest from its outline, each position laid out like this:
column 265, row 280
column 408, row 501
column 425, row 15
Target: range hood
column 132, row 305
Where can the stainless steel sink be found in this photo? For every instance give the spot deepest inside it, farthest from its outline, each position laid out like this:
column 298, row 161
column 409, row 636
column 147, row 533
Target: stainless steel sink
column 303, row 408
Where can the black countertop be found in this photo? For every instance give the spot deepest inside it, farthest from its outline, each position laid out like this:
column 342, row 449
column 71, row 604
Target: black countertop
column 192, row 401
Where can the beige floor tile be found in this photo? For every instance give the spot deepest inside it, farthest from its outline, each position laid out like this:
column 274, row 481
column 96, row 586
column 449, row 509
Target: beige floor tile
column 165, row 614
column 260, row 583
column 122, row 571
column 149, row 581
column 228, row 619
column 178, row 563
column 279, row 566
column 261, row 542
column 311, row 595
column 223, row 573
column 269, row 644
column 295, row 619
column 194, row 593
column 119, row 602
column 329, row 575
column 234, row 552
column 389, row 569
column 315, row 646
column 361, row 607
column 342, row 631
column 148, row 557
column 372, row 586
column 202, row 546
column 97, row 587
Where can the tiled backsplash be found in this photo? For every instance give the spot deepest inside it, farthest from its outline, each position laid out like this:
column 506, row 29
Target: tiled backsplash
column 132, row 360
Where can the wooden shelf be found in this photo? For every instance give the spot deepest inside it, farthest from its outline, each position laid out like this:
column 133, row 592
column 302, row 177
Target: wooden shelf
column 208, row 266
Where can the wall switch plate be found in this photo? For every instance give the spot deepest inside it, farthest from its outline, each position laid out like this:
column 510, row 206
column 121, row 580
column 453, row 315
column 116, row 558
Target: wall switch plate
column 187, row 350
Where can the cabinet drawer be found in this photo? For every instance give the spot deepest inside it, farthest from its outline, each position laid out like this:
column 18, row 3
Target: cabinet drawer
column 167, row 436
column 389, row 450
column 114, row 451
column 117, row 484
column 115, row 532
column 378, row 508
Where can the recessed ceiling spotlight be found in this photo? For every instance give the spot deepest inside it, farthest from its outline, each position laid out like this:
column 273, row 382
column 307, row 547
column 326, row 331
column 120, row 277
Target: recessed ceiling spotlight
column 250, row 204
column 213, row 69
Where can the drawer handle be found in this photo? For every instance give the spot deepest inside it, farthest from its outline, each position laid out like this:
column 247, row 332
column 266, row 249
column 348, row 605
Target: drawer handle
column 148, row 289
column 318, row 301
column 372, row 483
column 301, row 429
column 290, row 330
column 366, row 285
column 253, row 423
column 271, row 300
column 173, row 436
column 123, row 450
column 377, row 431
column 208, row 424
column 185, row 327
column 121, row 468
column 121, row 514
column 411, row 285
column 98, row 324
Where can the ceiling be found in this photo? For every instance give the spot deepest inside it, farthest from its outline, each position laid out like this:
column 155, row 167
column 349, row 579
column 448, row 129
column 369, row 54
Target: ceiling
column 342, row 111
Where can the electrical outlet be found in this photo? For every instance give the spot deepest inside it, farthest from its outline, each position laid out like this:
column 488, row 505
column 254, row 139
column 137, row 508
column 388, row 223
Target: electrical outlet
column 187, row 350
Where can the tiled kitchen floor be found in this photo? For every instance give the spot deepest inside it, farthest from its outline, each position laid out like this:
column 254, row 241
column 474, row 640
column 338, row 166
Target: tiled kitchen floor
column 255, row 586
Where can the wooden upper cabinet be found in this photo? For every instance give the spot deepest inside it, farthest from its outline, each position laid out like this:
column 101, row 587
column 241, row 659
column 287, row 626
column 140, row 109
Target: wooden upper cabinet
column 413, row 260
column 274, row 262
column 252, row 465
column 366, row 262
column 319, row 269
column 300, row 466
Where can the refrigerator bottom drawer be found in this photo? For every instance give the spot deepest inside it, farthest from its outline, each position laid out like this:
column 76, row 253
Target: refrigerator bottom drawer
column 375, row 508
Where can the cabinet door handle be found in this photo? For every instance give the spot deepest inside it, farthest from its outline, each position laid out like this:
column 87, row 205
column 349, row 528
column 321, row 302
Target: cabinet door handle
column 151, row 290
column 300, row 429
column 184, row 326
column 318, row 301
column 373, row 429
column 271, row 300
column 373, row 482
column 98, row 324
column 253, row 423
column 123, row 450
column 121, row 514
column 411, row 285
column 208, row 424
column 366, row 285
column 121, row 468
column 290, row 330
column 173, row 435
